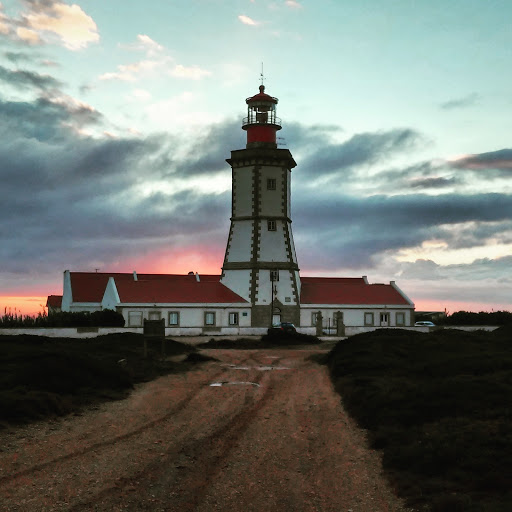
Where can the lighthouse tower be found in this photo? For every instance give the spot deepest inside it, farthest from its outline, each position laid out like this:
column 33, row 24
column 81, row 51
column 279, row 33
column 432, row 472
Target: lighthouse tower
column 260, row 263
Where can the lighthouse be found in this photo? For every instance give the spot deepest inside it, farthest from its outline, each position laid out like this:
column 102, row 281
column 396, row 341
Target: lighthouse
column 260, row 263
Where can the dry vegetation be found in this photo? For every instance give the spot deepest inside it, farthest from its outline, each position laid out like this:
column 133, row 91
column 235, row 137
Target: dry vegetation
column 438, row 406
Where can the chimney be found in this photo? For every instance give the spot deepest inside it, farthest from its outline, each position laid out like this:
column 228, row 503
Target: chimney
column 197, row 277
column 135, row 275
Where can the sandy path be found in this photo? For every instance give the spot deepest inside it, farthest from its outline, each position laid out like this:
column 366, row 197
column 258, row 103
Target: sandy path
column 272, row 437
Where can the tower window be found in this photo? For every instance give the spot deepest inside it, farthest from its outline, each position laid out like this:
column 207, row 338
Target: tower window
column 271, row 224
column 271, row 184
column 274, row 275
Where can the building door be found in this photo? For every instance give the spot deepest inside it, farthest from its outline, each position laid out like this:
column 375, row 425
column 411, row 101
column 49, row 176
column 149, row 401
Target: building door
column 276, row 318
column 384, row 319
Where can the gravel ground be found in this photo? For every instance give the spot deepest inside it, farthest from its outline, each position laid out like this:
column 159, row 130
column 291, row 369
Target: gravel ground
column 270, row 434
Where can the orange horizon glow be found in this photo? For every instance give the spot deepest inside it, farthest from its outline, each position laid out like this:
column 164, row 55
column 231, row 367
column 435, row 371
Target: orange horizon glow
column 22, row 305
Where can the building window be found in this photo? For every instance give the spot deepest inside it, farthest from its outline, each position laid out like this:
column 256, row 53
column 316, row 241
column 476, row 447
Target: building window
column 384, row 319
column 271, row 184
column 271, row 224
column 135, row 319
column 209, row 318
column 400, row 319
column 314, row 318
column 274, row 275
column 233, row 318
column 368, row 319
column 174, row 318
column 154, row 315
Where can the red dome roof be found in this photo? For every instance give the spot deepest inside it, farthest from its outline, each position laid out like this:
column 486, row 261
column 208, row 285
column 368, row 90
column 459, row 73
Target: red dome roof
column 261, row 96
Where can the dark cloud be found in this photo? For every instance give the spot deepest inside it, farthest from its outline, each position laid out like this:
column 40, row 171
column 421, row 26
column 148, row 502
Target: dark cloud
column 464, row 102
column 28, row 79
column 438, row 182
column 44, row 119
column 500, row 160
column 70, row 201
column 17, row 57
column 361, row 149
column 353, row 231
column 479, row 270
column 210, row 150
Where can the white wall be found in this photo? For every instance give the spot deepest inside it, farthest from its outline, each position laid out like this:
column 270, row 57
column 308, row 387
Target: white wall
column 272, row 243
column 192, row 317
column 271, row 200
column 242, row 191
column 238, row 281
column 241, row 241
column 284, row 288
column 352, row 316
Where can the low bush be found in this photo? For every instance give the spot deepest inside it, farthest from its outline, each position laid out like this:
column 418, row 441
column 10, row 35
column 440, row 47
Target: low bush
column 470, row 318
column 104, row 318
column 438, row 406
column 44, row 377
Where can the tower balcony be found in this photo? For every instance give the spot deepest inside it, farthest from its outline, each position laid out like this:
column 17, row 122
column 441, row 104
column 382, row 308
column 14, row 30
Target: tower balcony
column 262, row 118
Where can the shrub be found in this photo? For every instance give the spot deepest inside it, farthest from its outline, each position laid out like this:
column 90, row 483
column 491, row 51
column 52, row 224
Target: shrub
column 104, row 318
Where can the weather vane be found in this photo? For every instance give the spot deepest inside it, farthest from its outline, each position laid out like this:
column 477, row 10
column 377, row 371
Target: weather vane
column 261, row 74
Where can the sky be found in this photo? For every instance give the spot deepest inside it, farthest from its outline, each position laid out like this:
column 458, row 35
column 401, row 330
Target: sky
column 116, row 118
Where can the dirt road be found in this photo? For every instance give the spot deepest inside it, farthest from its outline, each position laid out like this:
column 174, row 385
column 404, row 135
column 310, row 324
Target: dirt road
column 258, row 430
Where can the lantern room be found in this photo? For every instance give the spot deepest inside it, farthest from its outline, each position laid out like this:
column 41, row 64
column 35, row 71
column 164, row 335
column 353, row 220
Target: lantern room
column 261, row 123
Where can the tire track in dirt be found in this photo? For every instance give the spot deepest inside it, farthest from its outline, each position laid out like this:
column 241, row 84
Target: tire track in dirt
column 24, row 474
column 286, row 444
column 207, row 453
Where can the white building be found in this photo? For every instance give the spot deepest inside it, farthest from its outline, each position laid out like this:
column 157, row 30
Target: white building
column 260, row 282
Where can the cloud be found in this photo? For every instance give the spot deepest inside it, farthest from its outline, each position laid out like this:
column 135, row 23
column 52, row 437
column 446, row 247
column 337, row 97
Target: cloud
column 144, row 43
column 84, row 202
column 435, row 182
column 54, row 21
column 157, row 61
column 132, row 72
column 28, row 79
column 479, row 270
column 464, row 102
column 18, row 57
column 192, row 72
column 361, row 149
column 353, row 231
column 501, row 160
column 44, row 119
column 293, row 4
column 28, row 36
column 4, row 24
column 248, row 21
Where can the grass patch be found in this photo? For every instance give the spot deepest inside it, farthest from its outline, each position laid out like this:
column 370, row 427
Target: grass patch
column 44, row 377
column 438, row 406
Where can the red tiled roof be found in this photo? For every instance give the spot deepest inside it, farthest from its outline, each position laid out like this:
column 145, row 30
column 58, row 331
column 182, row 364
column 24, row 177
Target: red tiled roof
column 333, row 290
column 180, row 291
column 54, row 301
column 152, row 288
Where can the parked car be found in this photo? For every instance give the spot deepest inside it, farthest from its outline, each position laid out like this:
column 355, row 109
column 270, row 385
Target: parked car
column 282, row 327
column 424, row 323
